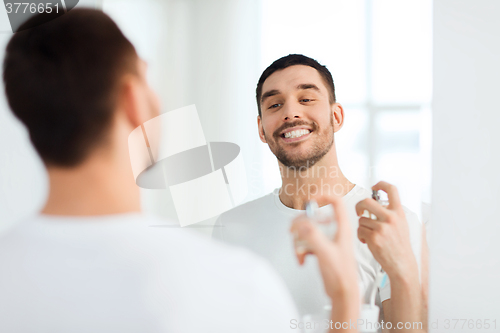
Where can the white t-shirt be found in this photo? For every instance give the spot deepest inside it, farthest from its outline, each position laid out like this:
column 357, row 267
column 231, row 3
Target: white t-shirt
column 263, row 226
column 115, row 274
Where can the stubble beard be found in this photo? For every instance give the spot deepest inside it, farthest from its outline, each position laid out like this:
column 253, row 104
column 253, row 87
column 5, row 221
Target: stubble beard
column 323, row 144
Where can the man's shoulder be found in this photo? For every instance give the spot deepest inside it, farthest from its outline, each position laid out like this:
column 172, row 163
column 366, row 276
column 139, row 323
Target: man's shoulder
column 175, row 263
column 171, row 245
column 357, row 194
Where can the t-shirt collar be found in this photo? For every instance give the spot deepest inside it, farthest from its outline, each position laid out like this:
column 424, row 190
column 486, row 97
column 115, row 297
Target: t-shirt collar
column 292, row 211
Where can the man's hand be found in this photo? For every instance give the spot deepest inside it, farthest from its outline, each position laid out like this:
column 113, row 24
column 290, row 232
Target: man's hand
column 336, row 261
column 387, row 237
column 335, row 257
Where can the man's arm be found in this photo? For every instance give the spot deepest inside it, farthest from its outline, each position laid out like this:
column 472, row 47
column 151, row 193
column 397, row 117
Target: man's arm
column 424, row 287
column 388, row 239
column 336, row 261
column 405, row 305
column 386, row 306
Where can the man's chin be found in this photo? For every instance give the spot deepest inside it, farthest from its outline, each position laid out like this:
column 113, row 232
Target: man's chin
column 303, row 160
column 296, row 163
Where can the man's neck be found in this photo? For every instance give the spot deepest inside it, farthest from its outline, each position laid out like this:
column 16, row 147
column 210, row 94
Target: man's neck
column 99, row 186
column 300, row 185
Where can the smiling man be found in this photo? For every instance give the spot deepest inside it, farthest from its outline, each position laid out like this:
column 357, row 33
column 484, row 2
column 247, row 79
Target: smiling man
column 298, row 116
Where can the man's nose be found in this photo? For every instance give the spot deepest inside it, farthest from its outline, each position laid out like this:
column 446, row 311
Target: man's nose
column 290, row 112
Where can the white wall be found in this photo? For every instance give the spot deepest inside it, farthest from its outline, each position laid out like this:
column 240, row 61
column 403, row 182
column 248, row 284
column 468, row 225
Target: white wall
column 465, row 265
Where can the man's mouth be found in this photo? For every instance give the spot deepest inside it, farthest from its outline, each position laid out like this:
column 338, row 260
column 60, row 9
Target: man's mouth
column 295, row 135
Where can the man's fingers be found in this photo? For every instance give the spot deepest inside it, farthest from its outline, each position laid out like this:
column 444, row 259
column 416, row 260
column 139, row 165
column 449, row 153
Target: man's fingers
column 301, row 257
column 373, row 207
column 339, row 210
column 369, row 223
column 316, row 242
column 298, row 222
column 392, row 193
column 304, row 230
column 364, row 234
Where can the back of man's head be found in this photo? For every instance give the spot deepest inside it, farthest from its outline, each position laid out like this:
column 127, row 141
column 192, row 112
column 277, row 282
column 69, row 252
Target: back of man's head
column 62, row 79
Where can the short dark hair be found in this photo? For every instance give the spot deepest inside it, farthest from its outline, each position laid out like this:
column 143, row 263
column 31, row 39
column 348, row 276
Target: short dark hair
column 61, row 80
column 292, row 60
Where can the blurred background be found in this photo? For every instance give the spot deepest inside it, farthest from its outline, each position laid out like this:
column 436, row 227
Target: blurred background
column 211, row 53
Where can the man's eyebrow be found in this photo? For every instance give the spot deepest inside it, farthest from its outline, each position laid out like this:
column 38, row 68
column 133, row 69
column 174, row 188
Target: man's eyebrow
column 305, row 86
column 269, row 94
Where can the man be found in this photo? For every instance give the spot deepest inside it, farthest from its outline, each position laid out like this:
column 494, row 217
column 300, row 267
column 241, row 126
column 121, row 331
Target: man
column 88, row 262
column 298, row 116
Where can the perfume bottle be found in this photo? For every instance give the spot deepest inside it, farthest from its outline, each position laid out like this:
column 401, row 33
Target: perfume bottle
column 380, row 197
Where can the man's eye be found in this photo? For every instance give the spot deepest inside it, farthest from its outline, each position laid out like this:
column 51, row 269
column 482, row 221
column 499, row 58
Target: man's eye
column 306, row 100
column 274, row 106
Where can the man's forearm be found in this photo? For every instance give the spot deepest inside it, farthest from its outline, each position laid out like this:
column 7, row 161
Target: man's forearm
column 406, row 299
column 345, row 309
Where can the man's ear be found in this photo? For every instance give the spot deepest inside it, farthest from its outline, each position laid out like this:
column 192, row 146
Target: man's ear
column 132, row 101
column 261, row 130
column 338, row 116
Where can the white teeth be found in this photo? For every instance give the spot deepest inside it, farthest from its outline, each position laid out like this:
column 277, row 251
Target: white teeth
column 297, row 133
